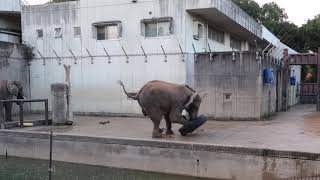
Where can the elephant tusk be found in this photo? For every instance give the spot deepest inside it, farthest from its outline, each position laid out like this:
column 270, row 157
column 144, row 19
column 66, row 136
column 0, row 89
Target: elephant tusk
column 24, row 97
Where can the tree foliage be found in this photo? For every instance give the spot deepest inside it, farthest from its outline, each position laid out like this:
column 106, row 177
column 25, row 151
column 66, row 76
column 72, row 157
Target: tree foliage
column 28, row 53
column 311, row 33
column 275, row 18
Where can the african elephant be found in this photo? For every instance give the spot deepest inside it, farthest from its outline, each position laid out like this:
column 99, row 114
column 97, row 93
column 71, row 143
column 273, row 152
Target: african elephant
column 8, row 89
column 159, row 98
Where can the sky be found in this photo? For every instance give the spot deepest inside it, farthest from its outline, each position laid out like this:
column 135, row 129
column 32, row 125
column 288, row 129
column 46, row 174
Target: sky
column 298, row 11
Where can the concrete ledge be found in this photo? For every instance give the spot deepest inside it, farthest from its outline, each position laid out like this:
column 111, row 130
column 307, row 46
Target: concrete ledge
column 14, row 124
column 167, row 144
column 192, row 159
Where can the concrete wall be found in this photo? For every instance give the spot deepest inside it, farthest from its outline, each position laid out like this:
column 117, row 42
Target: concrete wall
column 217, row 162
column 14, row 68
column 95, row 87
column 242, row 79
column 10, row 6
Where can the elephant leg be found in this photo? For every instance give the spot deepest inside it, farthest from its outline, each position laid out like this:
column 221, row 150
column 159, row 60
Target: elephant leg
column 176, row 117
column 156, row 119
column 8, row 108
column 168, row 124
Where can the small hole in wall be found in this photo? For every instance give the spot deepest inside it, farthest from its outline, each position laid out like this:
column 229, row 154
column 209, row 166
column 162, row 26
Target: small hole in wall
column 150, row 12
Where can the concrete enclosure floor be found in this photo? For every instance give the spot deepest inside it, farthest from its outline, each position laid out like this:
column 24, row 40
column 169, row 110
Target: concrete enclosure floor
column 295, row 130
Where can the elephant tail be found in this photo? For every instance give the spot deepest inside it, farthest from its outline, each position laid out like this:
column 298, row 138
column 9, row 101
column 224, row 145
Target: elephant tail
column 130, row 95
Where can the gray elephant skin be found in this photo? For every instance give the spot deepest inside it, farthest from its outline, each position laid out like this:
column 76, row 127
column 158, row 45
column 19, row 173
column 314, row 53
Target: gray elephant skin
column 159, row 98
column 8, row 90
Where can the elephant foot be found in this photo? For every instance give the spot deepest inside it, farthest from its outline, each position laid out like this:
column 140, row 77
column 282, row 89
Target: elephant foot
column 162, row 130
column 169, row 135
column 157, row 135
column 169, row 132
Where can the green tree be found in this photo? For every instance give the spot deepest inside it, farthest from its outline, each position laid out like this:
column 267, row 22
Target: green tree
column 272, row 16
column 250, row 7
column 310, row 32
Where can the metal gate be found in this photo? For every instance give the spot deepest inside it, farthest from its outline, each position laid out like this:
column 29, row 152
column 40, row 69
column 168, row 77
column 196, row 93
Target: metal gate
column 308, row 93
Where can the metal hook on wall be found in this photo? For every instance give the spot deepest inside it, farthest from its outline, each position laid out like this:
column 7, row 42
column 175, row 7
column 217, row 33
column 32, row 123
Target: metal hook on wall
column 145, row 55
column 125, row 53
column 74, row 57
column 183, row 56
column 59, row 60
column 165, row 55
column 90, row 56
column 109, row 57
column 44, row 60
column 233, row 55
column 195, row 52
column 211, row 53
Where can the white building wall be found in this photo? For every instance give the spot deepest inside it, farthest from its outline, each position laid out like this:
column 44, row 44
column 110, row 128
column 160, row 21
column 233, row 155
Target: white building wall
column 94, row 86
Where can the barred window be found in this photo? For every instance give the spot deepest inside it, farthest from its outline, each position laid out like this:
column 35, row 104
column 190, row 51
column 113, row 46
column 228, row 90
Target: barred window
column 107, row 30
column 235, row 43
column 157, row 27
column 216, row 35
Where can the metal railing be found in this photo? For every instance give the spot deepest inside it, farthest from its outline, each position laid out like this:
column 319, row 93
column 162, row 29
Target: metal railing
column 20, row 102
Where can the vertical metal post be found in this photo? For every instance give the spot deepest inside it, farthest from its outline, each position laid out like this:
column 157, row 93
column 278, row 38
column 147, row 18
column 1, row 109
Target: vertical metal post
column 50, row 158
column 46, row 112
column 21, row 114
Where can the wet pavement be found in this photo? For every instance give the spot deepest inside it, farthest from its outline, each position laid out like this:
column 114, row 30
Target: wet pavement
column 295, row 130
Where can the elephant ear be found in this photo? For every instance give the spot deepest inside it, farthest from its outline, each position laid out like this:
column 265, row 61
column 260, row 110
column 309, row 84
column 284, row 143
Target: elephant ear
column 191, row 99
column 12, row 88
